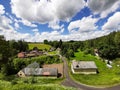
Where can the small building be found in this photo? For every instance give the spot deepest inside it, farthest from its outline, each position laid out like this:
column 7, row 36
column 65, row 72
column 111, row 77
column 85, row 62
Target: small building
column 21, row 55
column 34, row 70
column 83, row 67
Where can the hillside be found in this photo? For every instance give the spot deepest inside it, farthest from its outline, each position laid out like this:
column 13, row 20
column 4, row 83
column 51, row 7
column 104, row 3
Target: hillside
column 39, row 46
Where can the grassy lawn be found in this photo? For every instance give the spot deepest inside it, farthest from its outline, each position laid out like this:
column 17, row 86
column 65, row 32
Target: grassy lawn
column 39, row 46
column 31, row 83
column 53, row 52
column 105, row 77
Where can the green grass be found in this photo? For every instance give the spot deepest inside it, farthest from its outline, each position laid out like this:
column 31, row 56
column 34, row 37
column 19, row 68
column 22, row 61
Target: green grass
column 32, row 83
column 8, row 86
column 53, row 52
column 39, row 46
column 105, row 77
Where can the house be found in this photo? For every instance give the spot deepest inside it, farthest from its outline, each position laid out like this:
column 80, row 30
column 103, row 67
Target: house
column 32, row 53
column 21, row 55
column 34, row 70
column 83, row 67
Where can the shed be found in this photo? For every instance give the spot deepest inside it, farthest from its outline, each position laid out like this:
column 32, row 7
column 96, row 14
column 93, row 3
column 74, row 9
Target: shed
column 84, row 67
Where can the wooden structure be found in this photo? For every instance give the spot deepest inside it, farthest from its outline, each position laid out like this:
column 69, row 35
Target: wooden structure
column 34, row 70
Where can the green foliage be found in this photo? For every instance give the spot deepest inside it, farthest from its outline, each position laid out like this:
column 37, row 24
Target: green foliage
column 45, row 41
column 13, row 82
column 20, row 63
column 117, row 38
column 89, row 51
column 53, row 52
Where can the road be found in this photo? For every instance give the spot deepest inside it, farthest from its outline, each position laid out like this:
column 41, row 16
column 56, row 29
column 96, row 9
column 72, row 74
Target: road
column 71, row 83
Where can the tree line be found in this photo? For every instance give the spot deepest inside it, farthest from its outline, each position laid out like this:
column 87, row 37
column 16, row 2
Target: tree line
column 8, row 50
column 108, row 46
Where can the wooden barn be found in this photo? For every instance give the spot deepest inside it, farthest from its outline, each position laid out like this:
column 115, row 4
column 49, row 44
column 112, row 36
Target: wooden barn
column 83, row 67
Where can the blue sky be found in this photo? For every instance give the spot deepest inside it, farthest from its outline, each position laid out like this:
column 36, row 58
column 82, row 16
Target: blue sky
column 37, row 20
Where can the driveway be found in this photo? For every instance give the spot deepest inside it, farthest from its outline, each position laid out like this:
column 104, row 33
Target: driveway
column 71, row 83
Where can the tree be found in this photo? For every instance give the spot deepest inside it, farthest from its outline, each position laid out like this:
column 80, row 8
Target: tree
column 117, row 39
column 4, row 50
column 46, row 41
column 60, row 43
column 23, row 46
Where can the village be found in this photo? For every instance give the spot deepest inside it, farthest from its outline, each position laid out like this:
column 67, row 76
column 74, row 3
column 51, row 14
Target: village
column 54, row 70
column 48, row 64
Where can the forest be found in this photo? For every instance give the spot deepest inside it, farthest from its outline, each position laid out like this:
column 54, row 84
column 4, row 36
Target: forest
column 108, row 46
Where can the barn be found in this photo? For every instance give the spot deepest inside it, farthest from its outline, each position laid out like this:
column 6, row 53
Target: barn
column 83, row 67
column 34, row 70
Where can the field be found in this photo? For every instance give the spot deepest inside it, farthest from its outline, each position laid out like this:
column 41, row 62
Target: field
column 39, row 46
column 53, row 52
column 31, row 83
column 8, row 86
column 105, row 77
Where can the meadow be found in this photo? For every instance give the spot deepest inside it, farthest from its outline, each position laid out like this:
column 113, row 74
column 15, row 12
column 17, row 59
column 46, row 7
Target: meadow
column 39, row 46
column 105, row 77
column 31, row 83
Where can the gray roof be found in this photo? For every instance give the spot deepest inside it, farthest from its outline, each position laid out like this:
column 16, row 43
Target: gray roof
column 33, row 65
column 84, row 65
column 40, row 71
column 33, row 69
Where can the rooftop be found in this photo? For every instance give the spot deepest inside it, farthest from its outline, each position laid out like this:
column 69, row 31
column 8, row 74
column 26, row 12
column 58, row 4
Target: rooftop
column 40, row 71
column 84, row 65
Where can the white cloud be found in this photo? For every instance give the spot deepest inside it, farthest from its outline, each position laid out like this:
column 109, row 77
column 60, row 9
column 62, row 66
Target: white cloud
column 16, row 25
column 2, row 11
column 27, row 23
column 35, row 30
column 5, row 23
column 44, row 11
column 113, row 22
column 55, row 25
column 85, row 24
column 14, row 35
column 103, row 7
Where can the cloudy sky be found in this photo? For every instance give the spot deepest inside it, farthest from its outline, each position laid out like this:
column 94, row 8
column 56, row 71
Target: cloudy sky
column 37, row 20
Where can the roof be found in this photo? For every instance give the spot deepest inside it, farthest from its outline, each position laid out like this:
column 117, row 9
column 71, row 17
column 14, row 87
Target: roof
column 84, row 65
column 40, row 71
column 33, row 69
column 33, row 65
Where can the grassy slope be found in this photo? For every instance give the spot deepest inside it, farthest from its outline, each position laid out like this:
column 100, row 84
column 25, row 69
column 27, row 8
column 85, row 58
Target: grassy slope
column 39, row 46
column 28, row 84
column 106, row 76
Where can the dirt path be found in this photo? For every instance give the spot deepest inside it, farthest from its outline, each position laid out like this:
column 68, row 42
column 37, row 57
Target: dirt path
column 71, row 83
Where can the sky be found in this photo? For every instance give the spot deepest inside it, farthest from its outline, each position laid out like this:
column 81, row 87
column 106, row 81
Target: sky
column 37, row 20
